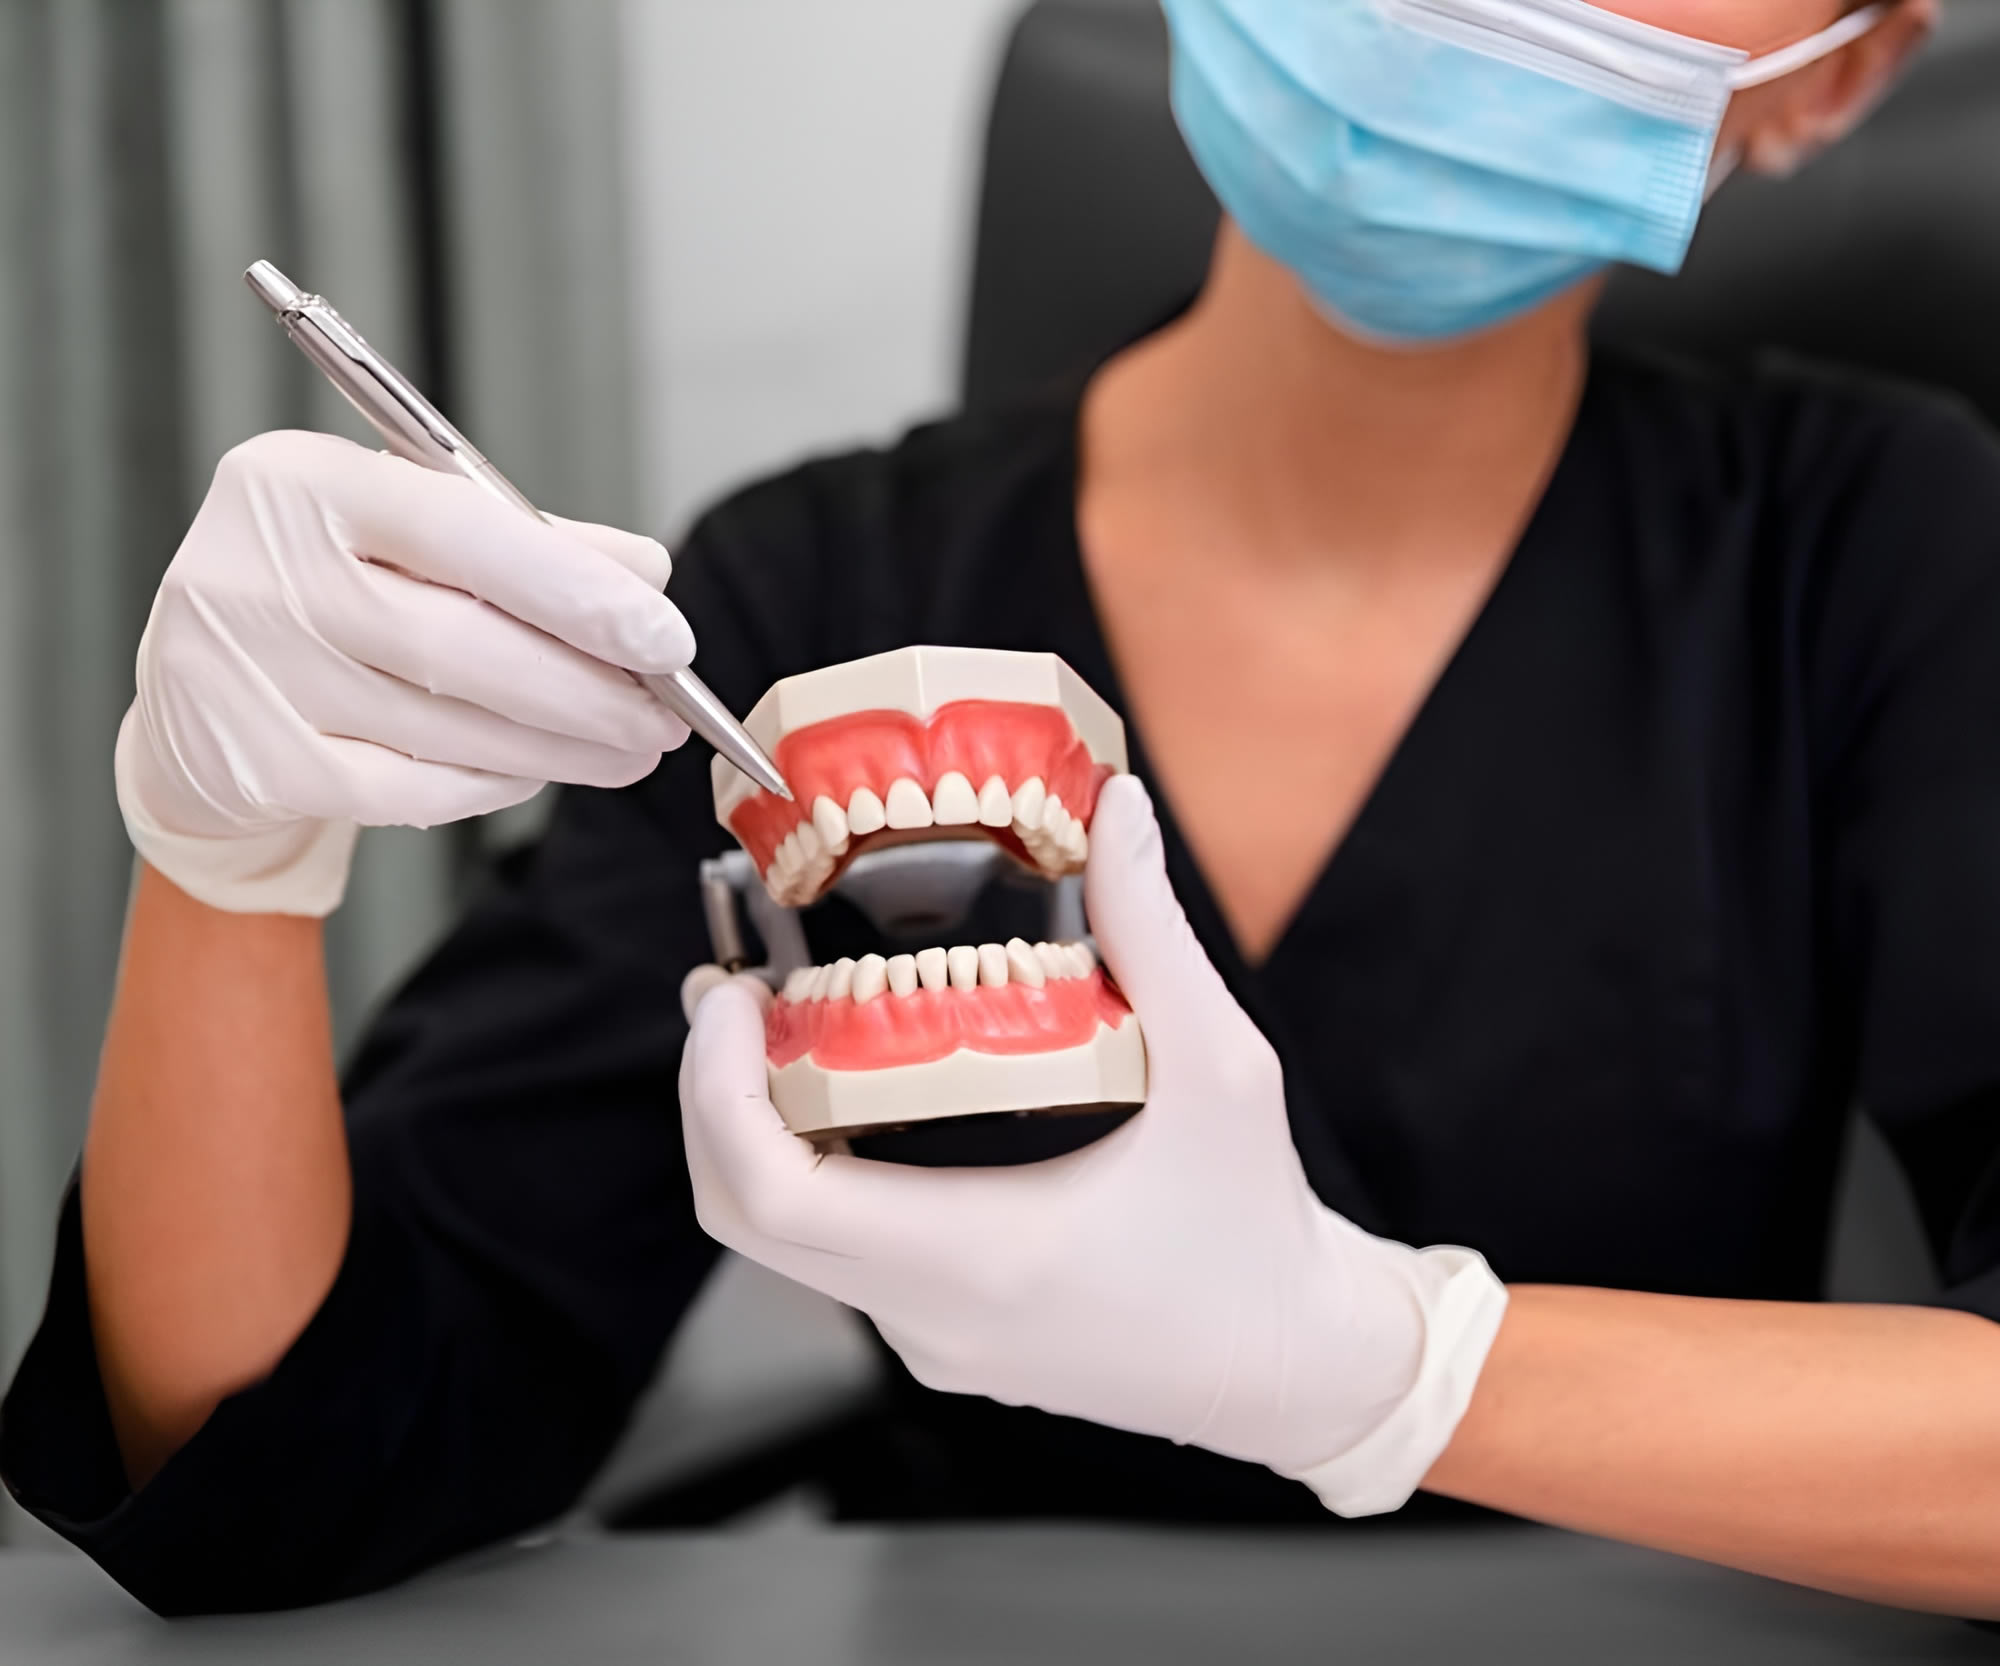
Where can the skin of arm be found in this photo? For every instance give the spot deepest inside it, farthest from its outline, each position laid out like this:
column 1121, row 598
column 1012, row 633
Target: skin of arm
column 216, row 1194
column 1851, row 1448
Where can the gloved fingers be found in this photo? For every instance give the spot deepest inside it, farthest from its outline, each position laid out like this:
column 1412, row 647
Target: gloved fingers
column 830, row 1219
column 645, row 557
column 379, row 787
column 338, row 697
column 1143, row 933
column 449, row 531
column 450, row 643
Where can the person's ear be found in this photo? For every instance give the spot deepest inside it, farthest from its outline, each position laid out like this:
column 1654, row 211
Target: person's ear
column 1805, row 113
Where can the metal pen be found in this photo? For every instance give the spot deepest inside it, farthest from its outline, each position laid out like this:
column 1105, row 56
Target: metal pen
column 414, row 428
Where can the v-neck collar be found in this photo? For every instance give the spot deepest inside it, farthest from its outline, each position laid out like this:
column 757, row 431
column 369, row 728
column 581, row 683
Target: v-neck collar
column 1450, row 708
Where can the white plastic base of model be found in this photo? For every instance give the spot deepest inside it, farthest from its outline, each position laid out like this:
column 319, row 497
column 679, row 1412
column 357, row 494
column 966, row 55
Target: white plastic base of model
column 1109, row 1069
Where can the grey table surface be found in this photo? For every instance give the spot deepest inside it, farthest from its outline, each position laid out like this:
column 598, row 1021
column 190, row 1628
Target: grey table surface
column 979, row 1595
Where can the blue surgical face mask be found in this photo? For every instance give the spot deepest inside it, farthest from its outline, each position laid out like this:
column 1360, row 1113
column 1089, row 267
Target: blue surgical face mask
column 1430, row 168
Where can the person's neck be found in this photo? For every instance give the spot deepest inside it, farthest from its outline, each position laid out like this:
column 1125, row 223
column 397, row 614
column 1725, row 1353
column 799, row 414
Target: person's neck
column 1273, row 423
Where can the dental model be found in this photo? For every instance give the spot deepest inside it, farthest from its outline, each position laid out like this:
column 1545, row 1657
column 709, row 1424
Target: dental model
column 920, row 745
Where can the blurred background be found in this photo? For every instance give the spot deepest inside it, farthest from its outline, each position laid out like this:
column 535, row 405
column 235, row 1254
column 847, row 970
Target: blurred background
column 643, row 250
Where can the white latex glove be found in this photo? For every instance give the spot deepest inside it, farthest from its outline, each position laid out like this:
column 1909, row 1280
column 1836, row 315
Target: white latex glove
column 1178, row 1278
column 347, row 639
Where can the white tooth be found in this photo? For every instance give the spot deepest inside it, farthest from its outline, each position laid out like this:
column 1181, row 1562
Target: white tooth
column 810, row 848
column 1029, row 798
column 902, row 974
column 1055, row 819
column 1055, row 964
column 1082, row 959
column 788, row 854
column 774, row 878
column 933, row 969
column 822, row 976
column 830, row 822
column 1022, row 966
column 996, row 804
column 1076, row 843
column 992, row 966
column 796, row 983
column 840, row 986
column 871, row 978
column 954, row 803
column 865, row 813
column 963, row 963
column 907, row 806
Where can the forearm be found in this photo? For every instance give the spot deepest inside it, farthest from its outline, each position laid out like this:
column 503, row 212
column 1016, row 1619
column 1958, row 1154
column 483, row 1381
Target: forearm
column 216, row 1191
column 1852, row 1448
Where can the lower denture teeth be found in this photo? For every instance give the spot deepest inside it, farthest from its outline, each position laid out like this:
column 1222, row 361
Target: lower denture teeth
column 933, row 969
column 816, row 988
column 1081, row 959
column 871, row 978
column 1023, row 966
column 865, row 813
column 797, row 982
column 992, row 966
column 1054, row 963
column 840, row 985
column 962, row 966
column 996, row 804
column 906, row 806
column 954, row 803
column 902, row 974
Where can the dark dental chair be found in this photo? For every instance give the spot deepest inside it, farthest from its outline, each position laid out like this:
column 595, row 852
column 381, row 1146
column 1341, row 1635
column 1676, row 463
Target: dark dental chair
column 1094, row 226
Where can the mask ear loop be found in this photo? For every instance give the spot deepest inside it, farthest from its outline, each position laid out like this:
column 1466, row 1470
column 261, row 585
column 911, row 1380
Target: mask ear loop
column 1776, row 66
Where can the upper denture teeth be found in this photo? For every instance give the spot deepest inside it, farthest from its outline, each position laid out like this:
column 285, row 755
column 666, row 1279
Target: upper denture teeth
column 996, row 804
column 933, row 969
column 992, row 966
column 871, row 978
column 1023, row 966
column 830, row 823
column 906, row 805
column 1029, row 799
column 840, row 985
column 1076, row 843
column 962, row 964
column 811, row 848
column 865, row 813
column 954, row 803
column 902, row 974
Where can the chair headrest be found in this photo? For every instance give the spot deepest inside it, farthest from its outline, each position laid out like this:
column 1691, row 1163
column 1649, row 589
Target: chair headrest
column 1885, row 255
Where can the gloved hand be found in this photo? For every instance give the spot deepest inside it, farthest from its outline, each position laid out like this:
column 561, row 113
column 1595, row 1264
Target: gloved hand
column 1178, row 1278
column 347, row 639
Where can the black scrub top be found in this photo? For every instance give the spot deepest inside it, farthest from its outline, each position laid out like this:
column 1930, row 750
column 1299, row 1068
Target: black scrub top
column 1695, row 845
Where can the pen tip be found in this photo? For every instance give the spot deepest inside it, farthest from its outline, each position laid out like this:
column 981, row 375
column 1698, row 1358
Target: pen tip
column 272, row 287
